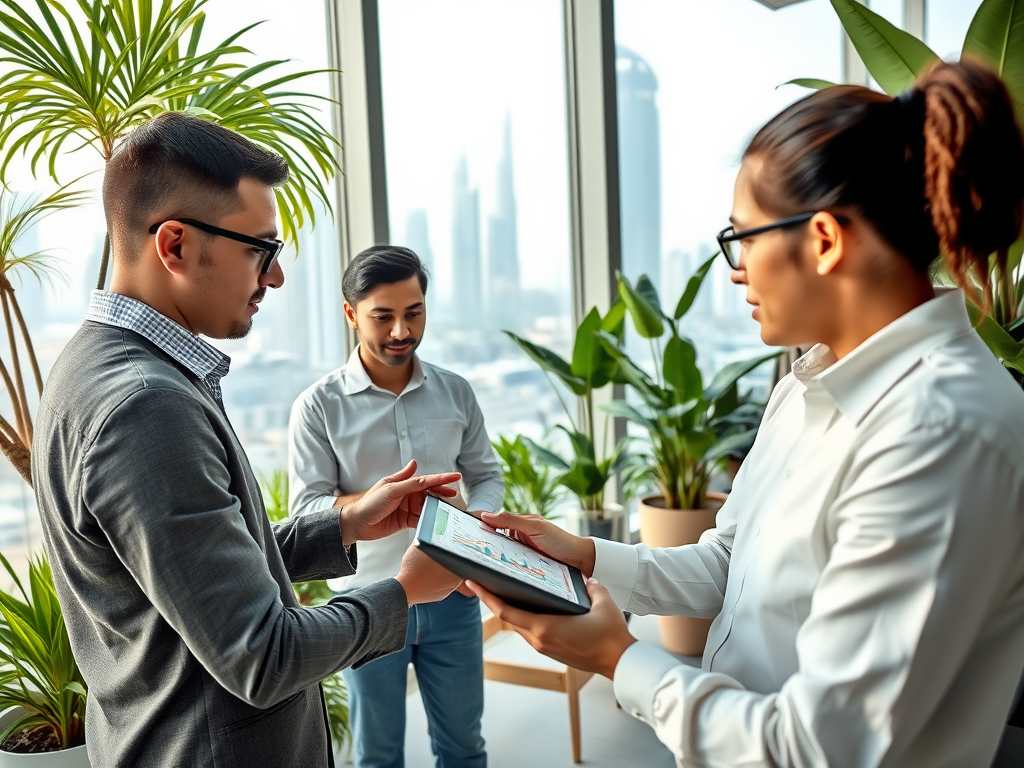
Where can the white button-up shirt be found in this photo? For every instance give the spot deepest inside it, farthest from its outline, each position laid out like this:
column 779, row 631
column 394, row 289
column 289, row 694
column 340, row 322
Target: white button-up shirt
column 866, row 572
column 346, row 433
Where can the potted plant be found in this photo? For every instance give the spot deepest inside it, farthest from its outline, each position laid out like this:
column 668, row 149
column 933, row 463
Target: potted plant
column 690, row 435
column 895, row 59
column 17, row 218
column 90, row 73
column 588, row 470
column 531, row 487
column 42, row 693
column 310, row 593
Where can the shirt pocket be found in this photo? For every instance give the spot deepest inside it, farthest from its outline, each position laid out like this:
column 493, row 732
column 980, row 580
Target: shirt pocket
column 443, row 444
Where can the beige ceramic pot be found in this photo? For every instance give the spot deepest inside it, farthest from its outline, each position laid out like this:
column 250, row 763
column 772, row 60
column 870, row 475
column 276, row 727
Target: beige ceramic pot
column 660, row 527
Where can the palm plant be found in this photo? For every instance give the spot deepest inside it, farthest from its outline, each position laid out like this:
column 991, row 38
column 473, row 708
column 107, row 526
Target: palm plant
column 895, row 59
column 17, row 218
column 89, row 78
column 37, row 669
column 531, row 488
column 88, row 74
column 691, row 427
column 586, row 474
column 310, row 593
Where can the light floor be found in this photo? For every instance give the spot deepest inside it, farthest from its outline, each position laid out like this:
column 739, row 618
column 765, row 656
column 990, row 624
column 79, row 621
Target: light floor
column 530, row 727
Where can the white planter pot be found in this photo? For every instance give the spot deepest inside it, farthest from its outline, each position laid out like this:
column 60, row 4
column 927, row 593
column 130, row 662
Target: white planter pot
column 75, row 757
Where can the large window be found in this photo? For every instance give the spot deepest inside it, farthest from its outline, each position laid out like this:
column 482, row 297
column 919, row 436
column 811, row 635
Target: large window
column 694, row 81
column 477, row 177
column 298, row 334
column 946, row 23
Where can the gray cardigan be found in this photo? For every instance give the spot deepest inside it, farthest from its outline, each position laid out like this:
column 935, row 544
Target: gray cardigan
column 176, row 588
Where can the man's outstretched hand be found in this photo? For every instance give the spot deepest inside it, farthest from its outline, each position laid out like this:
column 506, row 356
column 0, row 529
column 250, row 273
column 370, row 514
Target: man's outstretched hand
column 394, row 503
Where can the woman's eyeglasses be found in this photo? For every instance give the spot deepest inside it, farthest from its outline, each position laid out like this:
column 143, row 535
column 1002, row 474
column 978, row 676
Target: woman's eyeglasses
column 729, row 240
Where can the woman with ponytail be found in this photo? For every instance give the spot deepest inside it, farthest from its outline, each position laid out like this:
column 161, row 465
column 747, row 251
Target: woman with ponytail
column 867, row 571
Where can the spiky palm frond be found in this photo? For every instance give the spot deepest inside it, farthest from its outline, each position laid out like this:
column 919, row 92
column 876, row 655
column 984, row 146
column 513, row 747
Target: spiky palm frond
column 89, row 78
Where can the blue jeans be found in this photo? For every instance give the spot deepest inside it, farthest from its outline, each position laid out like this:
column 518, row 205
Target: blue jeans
column 445, row 647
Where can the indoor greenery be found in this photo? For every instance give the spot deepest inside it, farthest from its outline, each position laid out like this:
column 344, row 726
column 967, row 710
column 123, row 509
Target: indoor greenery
column 85, row 73
column 37, row 669
column 310, row 593
column 531, row 487
column 688, row 424
column 895, row 58
column 586, row 473
column 17, row 218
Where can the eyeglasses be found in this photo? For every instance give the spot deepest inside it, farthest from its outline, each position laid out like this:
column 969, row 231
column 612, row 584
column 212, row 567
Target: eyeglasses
column 729, row 239
column 271, row 248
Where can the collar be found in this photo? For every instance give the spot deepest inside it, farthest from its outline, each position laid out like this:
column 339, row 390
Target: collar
column 357, row 380
column 858, row 381
column 185, row 347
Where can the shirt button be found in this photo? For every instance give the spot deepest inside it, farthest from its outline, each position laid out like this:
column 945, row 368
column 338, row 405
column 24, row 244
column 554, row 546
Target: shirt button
column 404, row 433
column 789, row 473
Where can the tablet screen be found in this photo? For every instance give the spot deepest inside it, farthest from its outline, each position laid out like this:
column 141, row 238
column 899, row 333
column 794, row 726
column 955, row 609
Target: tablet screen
column 464, row 535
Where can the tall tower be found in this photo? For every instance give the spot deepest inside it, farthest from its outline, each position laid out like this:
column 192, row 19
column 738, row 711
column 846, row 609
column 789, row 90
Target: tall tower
column 503, row 246
column 417, row 237
column 466, row 261
column 639, row 166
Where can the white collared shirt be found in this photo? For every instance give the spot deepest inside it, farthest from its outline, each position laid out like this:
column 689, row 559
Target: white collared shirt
column 346, row 433
column 866, row 572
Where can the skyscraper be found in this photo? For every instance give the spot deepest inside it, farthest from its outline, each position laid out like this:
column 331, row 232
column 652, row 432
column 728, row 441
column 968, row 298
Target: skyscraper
column 503, row 246
column 466, row 261
column 417, row 235
column 639, row 166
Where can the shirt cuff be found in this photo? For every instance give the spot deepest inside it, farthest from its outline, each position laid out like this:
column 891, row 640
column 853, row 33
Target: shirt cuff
column 638, row 675
column 319, row 505
column 616, row 566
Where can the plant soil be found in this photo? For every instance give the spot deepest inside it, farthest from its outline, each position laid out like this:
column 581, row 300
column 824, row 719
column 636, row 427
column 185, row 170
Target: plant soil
column 39, row 738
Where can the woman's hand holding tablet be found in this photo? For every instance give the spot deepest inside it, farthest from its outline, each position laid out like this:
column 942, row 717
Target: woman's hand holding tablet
column 508, row 567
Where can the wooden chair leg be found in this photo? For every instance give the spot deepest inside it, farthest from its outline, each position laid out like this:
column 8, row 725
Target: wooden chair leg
column 572, row 687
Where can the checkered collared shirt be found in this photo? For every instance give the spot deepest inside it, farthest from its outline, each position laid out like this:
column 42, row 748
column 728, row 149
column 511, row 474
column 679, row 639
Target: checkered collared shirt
column 204, row 360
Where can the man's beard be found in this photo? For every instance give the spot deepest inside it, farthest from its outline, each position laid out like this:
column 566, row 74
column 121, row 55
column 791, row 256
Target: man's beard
column 395, row 360
column 241, row 330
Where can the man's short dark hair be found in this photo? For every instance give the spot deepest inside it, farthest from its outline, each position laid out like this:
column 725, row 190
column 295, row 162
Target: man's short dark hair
column 179, row 166
column 381, row 265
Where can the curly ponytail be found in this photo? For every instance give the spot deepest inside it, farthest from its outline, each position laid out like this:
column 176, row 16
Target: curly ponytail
column 939, row 169
column 973, row 169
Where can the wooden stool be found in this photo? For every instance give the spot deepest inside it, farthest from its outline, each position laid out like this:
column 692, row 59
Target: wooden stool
column 567, row 680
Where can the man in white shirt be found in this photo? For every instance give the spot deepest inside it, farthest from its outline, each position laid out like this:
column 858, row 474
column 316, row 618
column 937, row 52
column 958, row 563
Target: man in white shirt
column 368, row 419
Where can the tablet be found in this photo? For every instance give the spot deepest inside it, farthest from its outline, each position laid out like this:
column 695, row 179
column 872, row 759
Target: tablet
column 518, row 574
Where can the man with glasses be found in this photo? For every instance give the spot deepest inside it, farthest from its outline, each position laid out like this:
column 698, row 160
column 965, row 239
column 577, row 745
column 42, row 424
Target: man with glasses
column 176, row 589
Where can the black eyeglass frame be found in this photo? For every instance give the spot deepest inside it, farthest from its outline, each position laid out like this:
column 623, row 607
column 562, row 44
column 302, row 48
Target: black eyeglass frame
column 272, row 247
column 723, row 237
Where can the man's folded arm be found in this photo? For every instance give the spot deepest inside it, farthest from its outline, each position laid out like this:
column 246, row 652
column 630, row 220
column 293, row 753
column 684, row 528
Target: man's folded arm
column 172, row 521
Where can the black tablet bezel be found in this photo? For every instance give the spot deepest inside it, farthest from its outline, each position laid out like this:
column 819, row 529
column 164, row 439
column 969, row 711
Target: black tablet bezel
column 516, row 593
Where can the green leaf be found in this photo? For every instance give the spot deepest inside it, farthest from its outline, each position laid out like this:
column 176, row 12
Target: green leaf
column 680, row 368
column 732, row 373
column 548, row 457
column 590, row 362
column 646, row 318
column 692, row 287
column 893, row 57
column 646, row 288
column 996, row 36
column 622, row 409
column 550, row 363
column 809, row 82
column 1014, row 256
column 614, row 322
column 1002, row 344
